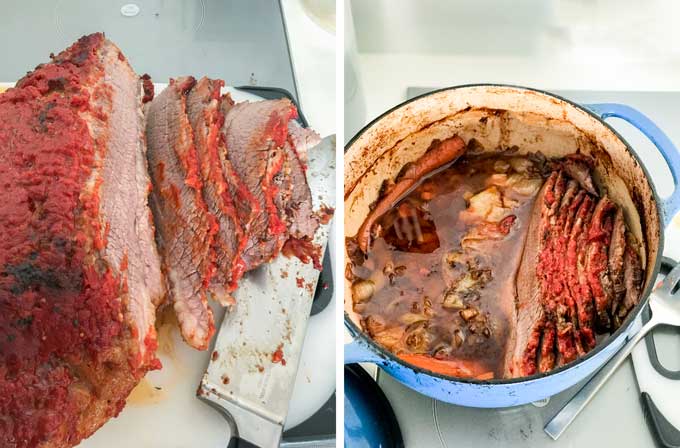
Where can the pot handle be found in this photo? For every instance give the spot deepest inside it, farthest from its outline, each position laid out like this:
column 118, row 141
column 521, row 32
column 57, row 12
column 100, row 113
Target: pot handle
column 667, row 149
column 358, row 352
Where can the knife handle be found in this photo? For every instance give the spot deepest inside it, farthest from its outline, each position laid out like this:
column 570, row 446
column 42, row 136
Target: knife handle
column 664, row 432
column 666, row 435
column 237, row 442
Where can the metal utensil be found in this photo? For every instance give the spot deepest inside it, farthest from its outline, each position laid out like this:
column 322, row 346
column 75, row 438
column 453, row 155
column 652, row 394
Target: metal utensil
column 252, row 369
column 665, row 309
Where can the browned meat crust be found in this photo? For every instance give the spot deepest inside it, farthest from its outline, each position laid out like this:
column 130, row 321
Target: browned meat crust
column 79, row 272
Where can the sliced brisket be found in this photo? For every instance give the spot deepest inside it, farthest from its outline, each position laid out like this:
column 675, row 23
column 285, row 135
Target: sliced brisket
column 522, row 356
column 297, row 207
column 186, row 228
column 578, row 276
column 578, row 282
column 617, row 249
column 597, row 262
column 206, row 120
column 255, row 135
column 632, row 278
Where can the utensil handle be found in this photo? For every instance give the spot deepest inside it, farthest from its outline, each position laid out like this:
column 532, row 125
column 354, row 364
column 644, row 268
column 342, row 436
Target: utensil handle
column 667, row 149
column 664, row 432
column 237, row 442
column 357, row 352
column 561, row 421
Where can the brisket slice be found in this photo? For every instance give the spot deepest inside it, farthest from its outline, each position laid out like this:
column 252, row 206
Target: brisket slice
column 295, row 196
column 255, row 135
column 578, row 168
column 617, row 249
column 569, row 266
column 246, row 204
column 567, row 348
column 548, row 272
column 597, row 261
column 206, row 120
column 632, row 278
column 578, row 283
column 523, row 348
column 186, row 228
column 580, row 275
column 79, row 272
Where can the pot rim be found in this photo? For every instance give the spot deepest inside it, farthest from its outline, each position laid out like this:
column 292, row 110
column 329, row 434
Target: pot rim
column 358, row 333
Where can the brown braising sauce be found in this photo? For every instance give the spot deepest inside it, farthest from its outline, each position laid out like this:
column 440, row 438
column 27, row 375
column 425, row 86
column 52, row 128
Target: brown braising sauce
column 436, row 285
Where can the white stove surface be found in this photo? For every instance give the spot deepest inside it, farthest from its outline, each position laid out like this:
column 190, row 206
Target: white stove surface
column 615, row 416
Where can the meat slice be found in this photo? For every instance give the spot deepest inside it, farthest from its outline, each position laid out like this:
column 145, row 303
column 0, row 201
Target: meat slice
column 297, row 207
column 186, row 228
column 567, row 346
column 206, row 121
column 549, row 273
column 247, row 205
column 617, row 249
column 578, row 283
column 632, row 278
column 80, row 275
column 597, row 265
column 255, row 135
column 524, row 346
column 578, row 168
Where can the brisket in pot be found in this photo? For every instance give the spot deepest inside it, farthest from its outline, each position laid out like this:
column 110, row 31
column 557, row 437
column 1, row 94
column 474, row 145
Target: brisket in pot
column 571, row 282
column 527, row 251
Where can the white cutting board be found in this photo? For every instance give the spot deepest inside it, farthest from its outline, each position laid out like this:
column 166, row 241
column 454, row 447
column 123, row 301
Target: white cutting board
column 163, row 411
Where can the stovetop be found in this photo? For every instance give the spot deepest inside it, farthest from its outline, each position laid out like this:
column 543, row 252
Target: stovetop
column 242, row 42
column 615, row 416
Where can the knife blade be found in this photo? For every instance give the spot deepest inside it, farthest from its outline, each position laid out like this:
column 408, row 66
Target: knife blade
column 251, row 372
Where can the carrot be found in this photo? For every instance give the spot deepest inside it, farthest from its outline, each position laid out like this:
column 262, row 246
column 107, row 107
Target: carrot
column 456, row 368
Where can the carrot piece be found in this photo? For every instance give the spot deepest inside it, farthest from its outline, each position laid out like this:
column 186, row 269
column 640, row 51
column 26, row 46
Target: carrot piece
column 457, row 368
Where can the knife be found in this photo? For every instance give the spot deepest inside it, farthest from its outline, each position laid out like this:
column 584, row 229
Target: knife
column 252, row 369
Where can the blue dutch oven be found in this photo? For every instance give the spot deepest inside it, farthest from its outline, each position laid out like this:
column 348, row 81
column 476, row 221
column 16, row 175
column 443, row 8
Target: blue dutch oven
column 500, row 116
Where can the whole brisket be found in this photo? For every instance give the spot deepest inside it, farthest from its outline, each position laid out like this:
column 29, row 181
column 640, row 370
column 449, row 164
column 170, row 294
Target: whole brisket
column 80, row 276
